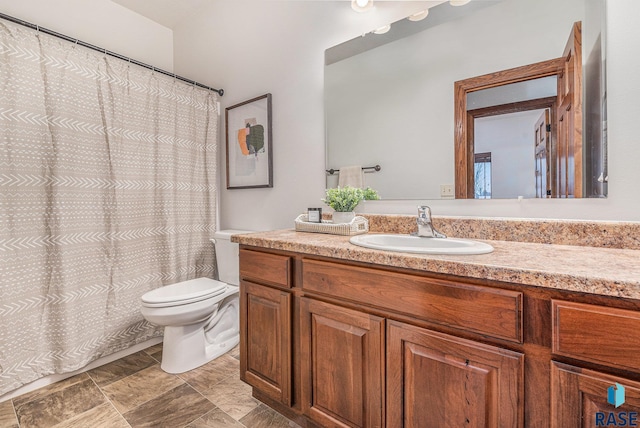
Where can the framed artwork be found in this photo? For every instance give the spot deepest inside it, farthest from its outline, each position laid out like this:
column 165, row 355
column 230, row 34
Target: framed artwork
column 249, row 145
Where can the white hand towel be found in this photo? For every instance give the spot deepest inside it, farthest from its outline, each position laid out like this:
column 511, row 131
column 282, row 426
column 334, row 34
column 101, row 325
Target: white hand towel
column 351, row 176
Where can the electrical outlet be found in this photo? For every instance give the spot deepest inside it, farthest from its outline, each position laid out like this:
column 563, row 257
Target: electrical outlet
column 446, row 191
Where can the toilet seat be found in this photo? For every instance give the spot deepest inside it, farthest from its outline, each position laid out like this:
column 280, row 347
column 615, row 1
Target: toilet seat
column 183, row 293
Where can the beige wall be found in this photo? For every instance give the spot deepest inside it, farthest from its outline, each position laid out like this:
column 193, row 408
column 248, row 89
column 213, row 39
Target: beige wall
column 101, row 23
column 251, row 48
column 254, row 47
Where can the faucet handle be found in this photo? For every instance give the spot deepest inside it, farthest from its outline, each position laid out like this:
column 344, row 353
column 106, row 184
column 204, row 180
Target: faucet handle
column 424, row 212
column 425, row 228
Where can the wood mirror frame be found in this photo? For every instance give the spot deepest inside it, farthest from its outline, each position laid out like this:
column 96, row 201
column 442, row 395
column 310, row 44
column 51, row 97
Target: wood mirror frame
column 568, row 69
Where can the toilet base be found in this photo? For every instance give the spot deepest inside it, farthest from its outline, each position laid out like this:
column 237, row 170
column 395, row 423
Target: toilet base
column 189, row 346
column 185, row 348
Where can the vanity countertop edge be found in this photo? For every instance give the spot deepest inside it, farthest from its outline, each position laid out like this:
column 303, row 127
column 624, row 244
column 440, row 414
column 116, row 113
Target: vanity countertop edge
column 600, row 271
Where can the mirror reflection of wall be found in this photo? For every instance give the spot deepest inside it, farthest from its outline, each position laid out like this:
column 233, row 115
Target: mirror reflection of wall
column 508, row 139
column 393, row 105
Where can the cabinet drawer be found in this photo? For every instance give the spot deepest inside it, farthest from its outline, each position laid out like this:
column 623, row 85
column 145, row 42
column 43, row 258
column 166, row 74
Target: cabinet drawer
column 265, row 268
column 488, row 311
column 597, row 334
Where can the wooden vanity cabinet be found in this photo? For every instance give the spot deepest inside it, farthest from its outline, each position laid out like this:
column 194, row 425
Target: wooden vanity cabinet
column 579, row 399
column 265, row 324
column 451, row 304
column 341, row 365
column 432, row 379
column 439, row 380
column 332, row 343
column 596, row 334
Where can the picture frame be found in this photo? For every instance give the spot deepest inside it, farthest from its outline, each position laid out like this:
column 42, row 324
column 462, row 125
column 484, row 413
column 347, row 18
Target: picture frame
column 249, row 144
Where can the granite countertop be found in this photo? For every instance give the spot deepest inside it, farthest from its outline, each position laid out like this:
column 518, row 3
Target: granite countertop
column 603, row 271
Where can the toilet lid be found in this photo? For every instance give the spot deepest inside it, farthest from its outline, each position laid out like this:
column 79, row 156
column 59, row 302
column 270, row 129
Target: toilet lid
column 184, row 292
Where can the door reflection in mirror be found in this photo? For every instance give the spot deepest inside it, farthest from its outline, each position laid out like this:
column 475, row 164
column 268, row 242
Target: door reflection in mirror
column 519, row 90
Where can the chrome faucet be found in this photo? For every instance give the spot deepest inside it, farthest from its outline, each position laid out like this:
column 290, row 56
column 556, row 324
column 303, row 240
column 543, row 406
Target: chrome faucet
column 425, row 227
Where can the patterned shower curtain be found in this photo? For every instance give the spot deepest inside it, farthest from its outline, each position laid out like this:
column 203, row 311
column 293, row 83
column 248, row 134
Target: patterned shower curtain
column 107, row 191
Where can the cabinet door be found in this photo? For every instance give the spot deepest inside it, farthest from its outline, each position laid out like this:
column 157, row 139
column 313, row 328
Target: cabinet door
column 341, row 361
column 436, row 380
column 579, row 398
column 265, row 340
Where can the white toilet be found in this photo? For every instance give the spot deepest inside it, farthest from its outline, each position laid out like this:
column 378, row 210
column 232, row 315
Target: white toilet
column 201, row 316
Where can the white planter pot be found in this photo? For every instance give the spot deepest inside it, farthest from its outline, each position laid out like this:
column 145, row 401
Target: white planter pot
column 343, row 217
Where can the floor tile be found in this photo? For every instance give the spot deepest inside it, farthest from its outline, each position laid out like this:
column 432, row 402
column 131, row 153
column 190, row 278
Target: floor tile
column 153, row 349
column 233, row 396
column 265, row 417
column 8, row 415
column 178, row 407
column 103, row 416
column 49, row 389
column 215, row 419
column 235, row 352
column 123, row 367
column 135, row 392
column 140, row 387
column 205, row 377
column 155, row 352
column 60, row 405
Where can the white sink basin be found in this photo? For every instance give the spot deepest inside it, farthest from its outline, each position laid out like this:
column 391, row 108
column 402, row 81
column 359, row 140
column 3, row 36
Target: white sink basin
column 415, row 244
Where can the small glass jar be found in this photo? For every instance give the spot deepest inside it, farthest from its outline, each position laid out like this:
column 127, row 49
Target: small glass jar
column 314, row 215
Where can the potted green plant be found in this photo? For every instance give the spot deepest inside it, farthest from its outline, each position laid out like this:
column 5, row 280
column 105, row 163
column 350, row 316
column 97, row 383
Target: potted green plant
column 370, row 194
column 344, row 200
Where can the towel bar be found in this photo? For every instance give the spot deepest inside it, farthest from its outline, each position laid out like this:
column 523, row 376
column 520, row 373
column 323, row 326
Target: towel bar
column 364, row 168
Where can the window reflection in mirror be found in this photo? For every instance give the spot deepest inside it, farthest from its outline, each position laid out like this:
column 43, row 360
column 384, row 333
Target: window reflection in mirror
column 482, row 175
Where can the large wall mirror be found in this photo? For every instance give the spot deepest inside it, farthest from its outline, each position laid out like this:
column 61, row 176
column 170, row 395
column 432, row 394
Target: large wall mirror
column 471, row 101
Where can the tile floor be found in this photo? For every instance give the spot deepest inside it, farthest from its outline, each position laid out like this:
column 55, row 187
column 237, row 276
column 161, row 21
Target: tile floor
column 134, row 392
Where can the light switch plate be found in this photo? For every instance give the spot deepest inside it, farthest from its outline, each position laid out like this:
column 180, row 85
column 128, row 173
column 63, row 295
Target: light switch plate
column 446, row 191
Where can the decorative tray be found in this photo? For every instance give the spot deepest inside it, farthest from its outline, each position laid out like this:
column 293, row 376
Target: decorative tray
column 356, row 226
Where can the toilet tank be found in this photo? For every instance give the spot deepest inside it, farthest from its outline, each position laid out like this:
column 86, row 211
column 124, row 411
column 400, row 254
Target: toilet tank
column 227, row 255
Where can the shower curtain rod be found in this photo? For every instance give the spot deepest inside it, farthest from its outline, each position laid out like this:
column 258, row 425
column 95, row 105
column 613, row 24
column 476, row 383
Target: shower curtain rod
column 106, row 52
